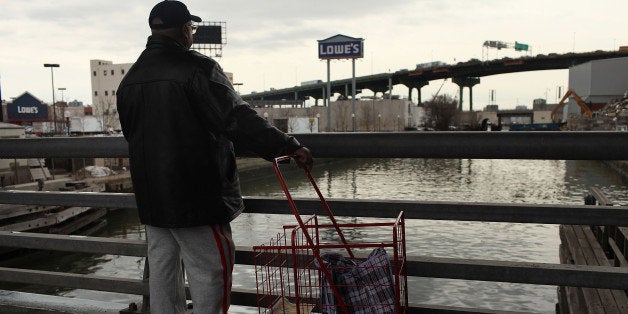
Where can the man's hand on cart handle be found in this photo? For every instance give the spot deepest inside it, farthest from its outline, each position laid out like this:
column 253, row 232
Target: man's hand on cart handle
column 303, row 157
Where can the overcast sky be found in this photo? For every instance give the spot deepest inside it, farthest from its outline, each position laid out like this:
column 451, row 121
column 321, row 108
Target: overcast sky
column 273, row 43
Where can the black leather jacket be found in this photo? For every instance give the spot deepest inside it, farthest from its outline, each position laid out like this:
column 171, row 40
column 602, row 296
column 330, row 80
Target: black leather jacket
column 181, row 116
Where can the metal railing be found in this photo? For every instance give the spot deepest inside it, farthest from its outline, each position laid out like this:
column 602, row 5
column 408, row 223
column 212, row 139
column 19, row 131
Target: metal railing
column 511, row 145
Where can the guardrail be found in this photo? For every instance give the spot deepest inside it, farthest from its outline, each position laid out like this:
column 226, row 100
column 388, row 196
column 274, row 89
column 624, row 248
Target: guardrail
column 496, row 145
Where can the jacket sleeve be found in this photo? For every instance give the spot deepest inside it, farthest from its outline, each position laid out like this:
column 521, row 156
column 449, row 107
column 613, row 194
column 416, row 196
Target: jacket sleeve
column 224, row 112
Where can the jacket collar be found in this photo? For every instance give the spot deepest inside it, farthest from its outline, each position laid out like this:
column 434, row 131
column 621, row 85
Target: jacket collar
column 161, row 41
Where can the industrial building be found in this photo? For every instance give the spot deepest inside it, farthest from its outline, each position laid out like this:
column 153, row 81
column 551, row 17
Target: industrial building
column 597, row 83
column 106, row 77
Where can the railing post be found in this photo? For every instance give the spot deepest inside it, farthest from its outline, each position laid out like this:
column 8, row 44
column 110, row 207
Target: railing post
column 145, row 298
column 144, row 307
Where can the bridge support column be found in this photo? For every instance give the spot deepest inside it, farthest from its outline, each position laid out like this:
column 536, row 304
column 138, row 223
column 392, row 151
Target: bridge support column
column 469, row 82
column 418, row 86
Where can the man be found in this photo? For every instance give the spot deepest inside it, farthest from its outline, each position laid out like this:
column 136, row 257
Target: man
column 181, row 116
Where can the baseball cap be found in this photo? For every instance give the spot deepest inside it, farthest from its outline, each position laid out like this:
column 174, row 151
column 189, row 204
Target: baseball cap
column 169, row 14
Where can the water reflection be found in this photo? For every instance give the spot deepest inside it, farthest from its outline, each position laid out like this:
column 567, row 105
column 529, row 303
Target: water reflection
column 507, row 181
column 481, row 180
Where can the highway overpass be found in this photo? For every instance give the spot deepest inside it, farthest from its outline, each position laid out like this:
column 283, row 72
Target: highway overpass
column 465, row 74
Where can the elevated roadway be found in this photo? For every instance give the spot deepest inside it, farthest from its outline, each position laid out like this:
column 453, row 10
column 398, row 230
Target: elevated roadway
column 465, row 74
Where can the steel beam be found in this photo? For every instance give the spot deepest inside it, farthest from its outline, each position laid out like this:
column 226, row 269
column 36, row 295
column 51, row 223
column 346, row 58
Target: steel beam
column 419, row 266
column 71, row 243
column 468, row 145
column 88, row 199
column 502, row 271
column 64, row 147
column 455, row 211
column 76, row 281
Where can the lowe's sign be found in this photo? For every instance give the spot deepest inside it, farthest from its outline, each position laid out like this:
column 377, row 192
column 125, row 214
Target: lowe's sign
column 27, row 108
column 341, row 47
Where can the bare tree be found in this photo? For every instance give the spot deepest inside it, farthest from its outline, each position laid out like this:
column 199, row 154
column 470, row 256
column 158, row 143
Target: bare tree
column 440, row 112
column 310, row 112
column 342, row 115
column 105, row 111
column 292, row 123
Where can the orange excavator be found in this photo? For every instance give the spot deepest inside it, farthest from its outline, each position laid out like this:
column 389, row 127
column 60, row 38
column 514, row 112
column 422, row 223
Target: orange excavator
column 578, row 100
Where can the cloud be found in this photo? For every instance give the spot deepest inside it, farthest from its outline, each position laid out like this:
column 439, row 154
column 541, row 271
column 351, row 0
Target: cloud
column 273, row 42
column 287, row 11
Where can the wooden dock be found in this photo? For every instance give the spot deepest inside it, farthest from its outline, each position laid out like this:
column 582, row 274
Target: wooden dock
column 595, row 246
column 52, row 219
column 114, row 183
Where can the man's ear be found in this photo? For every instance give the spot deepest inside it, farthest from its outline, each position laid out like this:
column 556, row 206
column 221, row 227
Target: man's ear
column 185, row 32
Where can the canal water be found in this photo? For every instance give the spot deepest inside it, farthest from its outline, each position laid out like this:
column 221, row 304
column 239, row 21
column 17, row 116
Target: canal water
column 466, row 180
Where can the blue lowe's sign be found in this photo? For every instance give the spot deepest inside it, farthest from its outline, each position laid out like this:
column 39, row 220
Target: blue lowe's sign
column 27, row 108
column 341, row 47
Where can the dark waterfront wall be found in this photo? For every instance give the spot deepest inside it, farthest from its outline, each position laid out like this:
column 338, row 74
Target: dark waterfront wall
column 621, row 166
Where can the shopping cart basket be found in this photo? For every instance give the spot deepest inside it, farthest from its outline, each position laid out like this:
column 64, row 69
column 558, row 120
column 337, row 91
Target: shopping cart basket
column 312, row 267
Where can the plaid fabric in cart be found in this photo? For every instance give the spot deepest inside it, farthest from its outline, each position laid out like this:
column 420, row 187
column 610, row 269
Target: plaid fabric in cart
column 365, row 286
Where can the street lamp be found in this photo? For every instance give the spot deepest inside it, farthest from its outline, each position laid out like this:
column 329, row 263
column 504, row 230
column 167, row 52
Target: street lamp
column 379, row 122
column 353, row 121
column 318, row 122
column 54, row 109
column 63, row 112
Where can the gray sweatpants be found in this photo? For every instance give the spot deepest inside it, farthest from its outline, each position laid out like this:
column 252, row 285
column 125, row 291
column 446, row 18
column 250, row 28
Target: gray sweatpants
column 208, row 255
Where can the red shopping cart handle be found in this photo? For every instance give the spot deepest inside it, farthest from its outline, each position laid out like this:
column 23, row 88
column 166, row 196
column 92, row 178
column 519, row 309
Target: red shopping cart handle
column 284, row 159
column 295, row 210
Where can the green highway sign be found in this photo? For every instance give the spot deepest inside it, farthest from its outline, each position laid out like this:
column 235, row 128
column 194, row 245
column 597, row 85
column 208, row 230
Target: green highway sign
column 521, row 47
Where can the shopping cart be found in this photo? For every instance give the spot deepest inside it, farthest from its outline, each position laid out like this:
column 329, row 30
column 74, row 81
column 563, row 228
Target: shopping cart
column 312, row 267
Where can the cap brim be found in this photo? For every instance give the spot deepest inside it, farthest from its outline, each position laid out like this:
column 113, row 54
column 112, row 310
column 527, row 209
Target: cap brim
column 195, row 18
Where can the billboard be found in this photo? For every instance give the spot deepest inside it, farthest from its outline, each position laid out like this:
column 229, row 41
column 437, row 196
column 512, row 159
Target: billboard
column 27, row 108
column 208, row 34
column 341, row 47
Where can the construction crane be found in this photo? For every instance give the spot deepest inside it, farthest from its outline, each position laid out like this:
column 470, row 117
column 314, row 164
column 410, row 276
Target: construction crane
column 578, row 100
